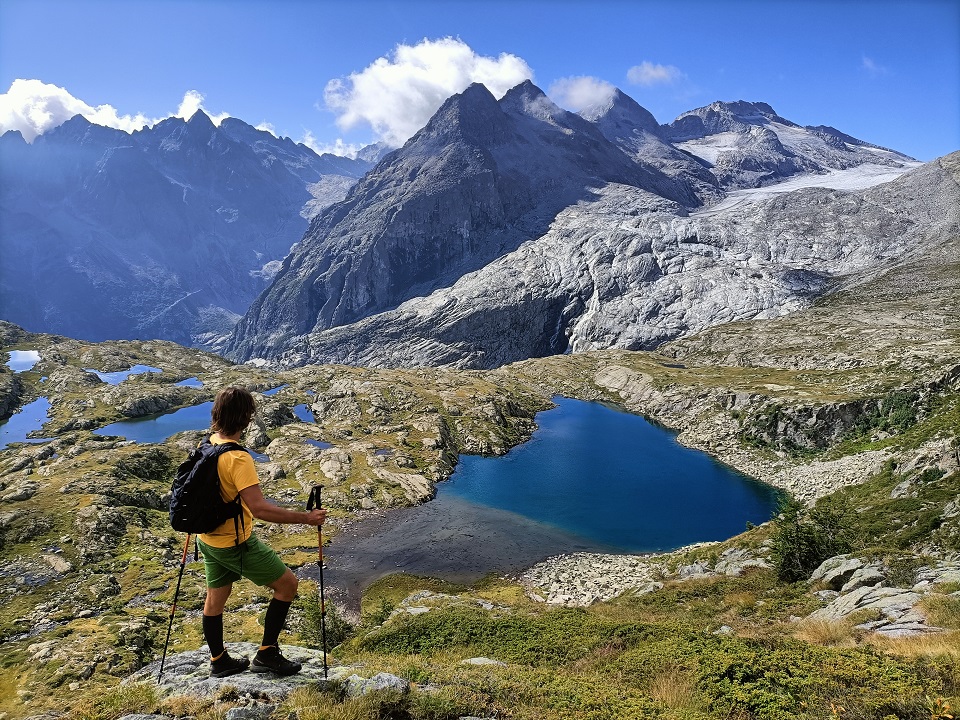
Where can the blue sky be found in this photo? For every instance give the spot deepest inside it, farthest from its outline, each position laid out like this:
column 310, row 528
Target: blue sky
column 885, row 72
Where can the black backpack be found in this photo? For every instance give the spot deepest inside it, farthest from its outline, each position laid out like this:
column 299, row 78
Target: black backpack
column 196, row 505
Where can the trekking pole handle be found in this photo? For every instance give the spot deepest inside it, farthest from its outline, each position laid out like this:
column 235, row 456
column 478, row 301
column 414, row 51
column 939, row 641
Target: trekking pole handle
column 313, row 501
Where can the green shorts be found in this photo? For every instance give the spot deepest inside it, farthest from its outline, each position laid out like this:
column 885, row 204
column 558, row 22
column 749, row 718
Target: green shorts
column 252, row 560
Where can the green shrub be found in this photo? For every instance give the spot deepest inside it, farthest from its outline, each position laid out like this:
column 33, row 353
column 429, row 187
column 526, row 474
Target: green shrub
column 894, row 413
column 804, row 538
column 311, row 627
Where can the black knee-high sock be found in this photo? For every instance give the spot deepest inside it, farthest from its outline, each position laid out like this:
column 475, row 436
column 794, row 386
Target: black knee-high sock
column 213, row 634
column 273, row 622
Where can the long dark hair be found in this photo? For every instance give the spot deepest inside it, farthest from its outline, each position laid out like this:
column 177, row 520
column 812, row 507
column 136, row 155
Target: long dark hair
column 233, row 409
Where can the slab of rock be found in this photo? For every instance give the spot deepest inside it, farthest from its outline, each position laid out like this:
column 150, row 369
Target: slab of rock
column 893, row 603
column 357, row 686
column 942, row 572
column 188, row 673
column 734, row 562
column 836, row 571
column 870, row 576
column 23, row 490
column 58, row 563
column 482, row 661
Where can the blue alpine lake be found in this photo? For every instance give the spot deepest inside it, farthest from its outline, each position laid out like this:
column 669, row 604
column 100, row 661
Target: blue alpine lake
column 157, row 428
column 26, row 420
column 612, row 478
column 591, row 479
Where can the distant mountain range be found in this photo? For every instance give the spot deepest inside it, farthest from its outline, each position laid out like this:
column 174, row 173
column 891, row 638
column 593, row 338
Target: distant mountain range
column 169, row 232
column 515, row 229
column 504, row 229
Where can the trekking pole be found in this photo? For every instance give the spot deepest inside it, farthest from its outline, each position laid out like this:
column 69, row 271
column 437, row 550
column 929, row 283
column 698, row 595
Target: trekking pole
column 173, row 608
column 314, row 502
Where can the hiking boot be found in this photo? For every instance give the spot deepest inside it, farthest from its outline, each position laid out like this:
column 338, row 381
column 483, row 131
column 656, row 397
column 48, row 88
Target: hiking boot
column 226, row 665
column 270, row 660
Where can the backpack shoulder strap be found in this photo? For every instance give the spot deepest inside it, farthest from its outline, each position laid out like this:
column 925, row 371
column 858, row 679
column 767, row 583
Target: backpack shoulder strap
column 218, row 450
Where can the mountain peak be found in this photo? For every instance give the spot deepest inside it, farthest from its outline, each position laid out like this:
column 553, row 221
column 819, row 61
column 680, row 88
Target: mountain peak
column 200, row 120
column 13, row 137
column 719, row 117
column 622, row 113
column 743, row 108
column 471, row 113
column 527, row 99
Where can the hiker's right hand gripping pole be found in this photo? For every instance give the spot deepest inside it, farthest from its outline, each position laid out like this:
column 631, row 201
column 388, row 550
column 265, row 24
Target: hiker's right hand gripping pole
column 314, row 501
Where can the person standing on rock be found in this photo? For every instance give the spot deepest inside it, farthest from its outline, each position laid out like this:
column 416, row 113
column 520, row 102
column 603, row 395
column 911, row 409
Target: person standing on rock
column 227, row 558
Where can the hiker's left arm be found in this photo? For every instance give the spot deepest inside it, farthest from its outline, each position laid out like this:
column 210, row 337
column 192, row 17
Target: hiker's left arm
column 263, row 509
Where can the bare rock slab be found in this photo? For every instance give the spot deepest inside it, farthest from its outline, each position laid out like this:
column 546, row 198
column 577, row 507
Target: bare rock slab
column 188, row 673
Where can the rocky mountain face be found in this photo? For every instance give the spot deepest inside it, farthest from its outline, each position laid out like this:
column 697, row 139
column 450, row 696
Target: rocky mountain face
column 476, row 182
column 635, row 131
column 513, row 229
column 659, row 276
column 169, row 232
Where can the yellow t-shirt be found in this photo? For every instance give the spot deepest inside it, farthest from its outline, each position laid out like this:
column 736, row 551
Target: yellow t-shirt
column 236, row 473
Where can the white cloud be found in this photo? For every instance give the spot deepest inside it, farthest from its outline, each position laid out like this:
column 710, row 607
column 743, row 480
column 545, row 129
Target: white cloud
column 577, row 93
column 33, row 107
column 338, row 147
column 193, row 101
column 396, row 95
column 648, row 73
column 872, row 67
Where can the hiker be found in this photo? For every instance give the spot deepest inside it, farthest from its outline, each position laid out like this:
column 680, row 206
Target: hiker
column 232, row 550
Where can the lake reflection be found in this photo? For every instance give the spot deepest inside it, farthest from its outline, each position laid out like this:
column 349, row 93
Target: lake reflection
column 22, row 360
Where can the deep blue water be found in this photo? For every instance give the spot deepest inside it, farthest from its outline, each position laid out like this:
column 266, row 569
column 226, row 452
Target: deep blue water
column 21, row 360
column 30, row 417
column 273, row 391
column 613, row 478
column 190, row 382
column 303, row 413
column 115, row 378
column 157, row 428
column 318, row 444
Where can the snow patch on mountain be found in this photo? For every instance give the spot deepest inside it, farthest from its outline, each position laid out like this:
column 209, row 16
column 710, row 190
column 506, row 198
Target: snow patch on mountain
column 860, row 177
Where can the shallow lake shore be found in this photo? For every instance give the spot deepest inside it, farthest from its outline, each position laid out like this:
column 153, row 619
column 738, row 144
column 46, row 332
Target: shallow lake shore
column 447, row 538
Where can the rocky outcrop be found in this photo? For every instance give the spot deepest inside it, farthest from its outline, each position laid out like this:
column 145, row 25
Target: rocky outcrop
column 585, row 578
column 188, row 674
column 10, row 392
column 859, row 588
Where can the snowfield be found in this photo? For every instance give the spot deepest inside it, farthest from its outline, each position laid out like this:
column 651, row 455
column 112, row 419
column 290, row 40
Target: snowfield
column 857, row 178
